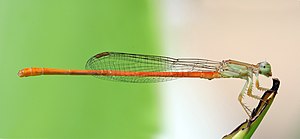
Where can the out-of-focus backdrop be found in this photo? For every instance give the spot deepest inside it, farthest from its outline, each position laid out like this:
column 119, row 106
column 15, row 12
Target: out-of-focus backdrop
column 64, row 34
column 250, row 31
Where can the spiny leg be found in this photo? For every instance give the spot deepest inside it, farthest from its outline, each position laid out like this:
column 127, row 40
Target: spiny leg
column 241, row 96
column 258, row 86
column 249, row 91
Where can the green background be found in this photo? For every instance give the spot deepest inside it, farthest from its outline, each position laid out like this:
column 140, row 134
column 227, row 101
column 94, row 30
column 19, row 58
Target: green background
column 65, row 34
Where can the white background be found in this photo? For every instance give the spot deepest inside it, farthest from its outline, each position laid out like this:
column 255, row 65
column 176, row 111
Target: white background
column 249, row 31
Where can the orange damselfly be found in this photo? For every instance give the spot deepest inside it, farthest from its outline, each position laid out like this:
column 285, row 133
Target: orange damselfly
column 139, row 68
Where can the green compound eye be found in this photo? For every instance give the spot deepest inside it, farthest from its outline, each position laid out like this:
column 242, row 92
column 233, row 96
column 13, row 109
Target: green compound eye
column 265, row 69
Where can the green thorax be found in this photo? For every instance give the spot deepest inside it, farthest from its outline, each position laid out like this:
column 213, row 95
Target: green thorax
column 235, row 71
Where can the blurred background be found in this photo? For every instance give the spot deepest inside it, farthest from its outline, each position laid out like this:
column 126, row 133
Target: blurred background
column 250, row 31
column 65, row 34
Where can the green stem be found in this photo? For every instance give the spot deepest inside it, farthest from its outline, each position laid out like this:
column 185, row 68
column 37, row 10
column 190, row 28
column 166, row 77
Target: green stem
column 247, row 128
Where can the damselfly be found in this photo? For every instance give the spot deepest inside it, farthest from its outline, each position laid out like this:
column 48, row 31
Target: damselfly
column 137, row 68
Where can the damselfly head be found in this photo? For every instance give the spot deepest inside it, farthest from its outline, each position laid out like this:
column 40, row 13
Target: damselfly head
column 264, row 68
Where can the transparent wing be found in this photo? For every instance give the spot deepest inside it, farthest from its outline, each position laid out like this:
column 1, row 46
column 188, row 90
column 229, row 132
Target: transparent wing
column 146, row 63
